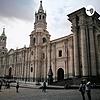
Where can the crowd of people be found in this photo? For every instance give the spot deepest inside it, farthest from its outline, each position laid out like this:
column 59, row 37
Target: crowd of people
column 85, row 88
column 6, row 85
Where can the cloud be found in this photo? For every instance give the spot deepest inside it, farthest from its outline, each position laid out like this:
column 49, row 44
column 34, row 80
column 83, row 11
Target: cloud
column 18, row 18
column 17, row 32
column 21, row 9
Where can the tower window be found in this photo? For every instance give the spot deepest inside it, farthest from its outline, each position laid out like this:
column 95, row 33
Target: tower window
column 33, row 40
column 40, row 17
column 37, row 17
column 44, row 40
column 60, row 53
column 43, row 17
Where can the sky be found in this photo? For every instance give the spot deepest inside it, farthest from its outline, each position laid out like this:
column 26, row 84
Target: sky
column 17, row 16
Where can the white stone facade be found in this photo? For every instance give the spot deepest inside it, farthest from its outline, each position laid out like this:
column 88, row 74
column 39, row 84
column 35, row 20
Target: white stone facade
column 75, row 55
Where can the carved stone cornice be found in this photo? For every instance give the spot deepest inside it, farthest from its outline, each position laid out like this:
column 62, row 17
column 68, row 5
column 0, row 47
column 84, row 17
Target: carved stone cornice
column 74, row 29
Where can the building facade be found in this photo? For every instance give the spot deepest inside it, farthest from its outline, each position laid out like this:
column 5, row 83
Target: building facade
column 75, row 55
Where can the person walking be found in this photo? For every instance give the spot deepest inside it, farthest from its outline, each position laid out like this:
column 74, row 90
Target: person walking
column 44, row 87
column 82, row 89
column 17, row 87
column 88, row 90
column 0, row 85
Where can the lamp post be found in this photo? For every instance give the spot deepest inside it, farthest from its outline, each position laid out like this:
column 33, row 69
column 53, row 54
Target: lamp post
column 50, row 76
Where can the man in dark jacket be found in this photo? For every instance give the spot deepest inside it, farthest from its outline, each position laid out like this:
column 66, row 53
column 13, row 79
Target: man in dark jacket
column 17, row 87
column 44, row 87
column 82, row 89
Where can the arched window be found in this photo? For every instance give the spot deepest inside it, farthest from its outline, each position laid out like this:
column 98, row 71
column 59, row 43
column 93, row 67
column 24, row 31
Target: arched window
column 44, row 40
column 31, row 69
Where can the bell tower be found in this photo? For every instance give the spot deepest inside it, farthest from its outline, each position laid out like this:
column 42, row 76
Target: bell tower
column 40, row 19
column 40, row 34
column 39, row 40
column 3, row 38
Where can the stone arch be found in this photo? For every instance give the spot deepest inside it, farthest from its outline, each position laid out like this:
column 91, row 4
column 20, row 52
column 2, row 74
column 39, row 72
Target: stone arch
column 60, row 74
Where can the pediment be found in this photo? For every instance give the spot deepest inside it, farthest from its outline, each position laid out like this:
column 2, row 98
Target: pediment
column 11, row 51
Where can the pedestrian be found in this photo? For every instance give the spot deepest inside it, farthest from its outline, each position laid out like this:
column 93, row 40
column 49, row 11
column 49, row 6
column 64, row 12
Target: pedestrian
column 88, row 90
column 0, row 85
column 94, row 85
column 82, row 89
column 17, row 87
column 44, row 87
column 8, row 85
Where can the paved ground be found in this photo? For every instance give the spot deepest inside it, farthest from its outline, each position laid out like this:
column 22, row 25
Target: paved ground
column 37, row 94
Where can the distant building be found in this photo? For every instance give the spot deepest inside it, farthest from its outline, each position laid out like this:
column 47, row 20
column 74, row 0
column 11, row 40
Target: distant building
column 75, row 55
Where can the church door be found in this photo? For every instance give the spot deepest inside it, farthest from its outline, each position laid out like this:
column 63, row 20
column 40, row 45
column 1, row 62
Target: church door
column 10, row 70
column 60, row 74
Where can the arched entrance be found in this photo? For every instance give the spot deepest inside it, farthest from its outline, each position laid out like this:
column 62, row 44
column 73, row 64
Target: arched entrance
column 60, row 74
column 10, row 71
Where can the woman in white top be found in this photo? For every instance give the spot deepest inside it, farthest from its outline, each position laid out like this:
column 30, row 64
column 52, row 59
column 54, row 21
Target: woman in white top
column 88, row 90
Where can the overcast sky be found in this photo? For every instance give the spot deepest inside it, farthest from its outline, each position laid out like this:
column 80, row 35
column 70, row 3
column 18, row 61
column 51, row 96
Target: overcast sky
column 17, row 16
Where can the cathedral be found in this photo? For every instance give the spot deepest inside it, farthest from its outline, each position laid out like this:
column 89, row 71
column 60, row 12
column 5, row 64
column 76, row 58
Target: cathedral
column 74, row 56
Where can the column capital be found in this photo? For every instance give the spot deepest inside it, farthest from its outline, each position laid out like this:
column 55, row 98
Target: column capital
column 82, row 26
column 90, row 27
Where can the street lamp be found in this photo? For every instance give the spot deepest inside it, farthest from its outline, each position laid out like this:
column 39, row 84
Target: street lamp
column 50, row 76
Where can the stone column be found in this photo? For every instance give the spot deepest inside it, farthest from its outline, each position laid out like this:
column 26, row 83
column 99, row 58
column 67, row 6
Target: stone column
column 48, row 58
column 84, row 51
column 76, row 53
column 71, row 58
column 92, row 51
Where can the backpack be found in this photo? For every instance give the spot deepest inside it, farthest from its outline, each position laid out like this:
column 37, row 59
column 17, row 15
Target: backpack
column 82, row 88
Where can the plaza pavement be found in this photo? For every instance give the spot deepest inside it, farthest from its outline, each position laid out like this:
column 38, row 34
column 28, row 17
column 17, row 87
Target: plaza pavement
column 51, row 94
column 33, row 85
